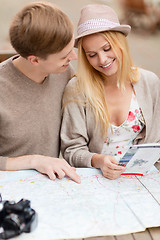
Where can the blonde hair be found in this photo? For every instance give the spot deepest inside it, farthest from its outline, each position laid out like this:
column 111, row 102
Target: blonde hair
column 90, row 82
column 40, row 29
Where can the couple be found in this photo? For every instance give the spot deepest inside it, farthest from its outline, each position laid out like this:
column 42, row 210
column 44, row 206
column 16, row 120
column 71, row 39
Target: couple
column 108, row 106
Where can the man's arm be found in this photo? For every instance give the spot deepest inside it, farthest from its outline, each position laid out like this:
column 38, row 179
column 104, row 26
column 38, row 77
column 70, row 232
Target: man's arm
column 53, row 167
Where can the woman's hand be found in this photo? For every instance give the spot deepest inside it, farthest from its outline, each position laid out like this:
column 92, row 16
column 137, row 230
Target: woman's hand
column 108, row 165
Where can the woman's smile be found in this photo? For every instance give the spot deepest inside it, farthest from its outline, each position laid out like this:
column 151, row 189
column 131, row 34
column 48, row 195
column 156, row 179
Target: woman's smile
column 108, row 65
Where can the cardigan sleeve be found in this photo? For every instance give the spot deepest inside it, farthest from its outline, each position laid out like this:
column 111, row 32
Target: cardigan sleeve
column 154, row 133
column 148, row 94
column 74, row 136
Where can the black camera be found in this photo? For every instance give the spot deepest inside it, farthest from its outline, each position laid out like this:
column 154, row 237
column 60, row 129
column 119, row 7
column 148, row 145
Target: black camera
column 16, row 218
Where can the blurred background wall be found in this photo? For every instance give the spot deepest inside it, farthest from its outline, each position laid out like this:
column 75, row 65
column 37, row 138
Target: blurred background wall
column 142, row 15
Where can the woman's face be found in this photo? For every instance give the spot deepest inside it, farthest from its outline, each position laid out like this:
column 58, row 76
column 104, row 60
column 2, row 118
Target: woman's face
column 100, row 54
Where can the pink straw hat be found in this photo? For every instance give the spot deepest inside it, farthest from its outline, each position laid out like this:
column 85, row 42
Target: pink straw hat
column 98, row 18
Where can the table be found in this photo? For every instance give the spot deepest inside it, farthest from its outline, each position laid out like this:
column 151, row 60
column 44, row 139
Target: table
column 29, row 181
column 149, row 234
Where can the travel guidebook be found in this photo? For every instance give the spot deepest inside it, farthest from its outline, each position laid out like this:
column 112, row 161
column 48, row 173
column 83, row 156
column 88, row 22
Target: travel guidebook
column 139, row 159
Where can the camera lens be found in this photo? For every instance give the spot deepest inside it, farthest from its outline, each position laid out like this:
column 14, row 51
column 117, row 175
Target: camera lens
column 12, row 222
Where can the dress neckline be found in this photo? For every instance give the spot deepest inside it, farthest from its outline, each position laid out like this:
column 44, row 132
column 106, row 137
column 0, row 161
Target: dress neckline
column 121, row 125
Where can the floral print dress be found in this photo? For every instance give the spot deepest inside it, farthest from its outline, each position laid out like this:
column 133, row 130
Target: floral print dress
column 120, row 138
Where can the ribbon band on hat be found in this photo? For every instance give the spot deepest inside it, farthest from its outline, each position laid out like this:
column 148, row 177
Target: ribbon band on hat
column 96, row 23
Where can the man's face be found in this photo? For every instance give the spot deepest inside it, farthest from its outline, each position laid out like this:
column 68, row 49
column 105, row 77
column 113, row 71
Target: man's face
column 58, row 62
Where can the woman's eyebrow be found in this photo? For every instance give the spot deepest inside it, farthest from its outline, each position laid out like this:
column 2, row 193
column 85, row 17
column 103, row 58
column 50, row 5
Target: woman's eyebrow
column 105, row 45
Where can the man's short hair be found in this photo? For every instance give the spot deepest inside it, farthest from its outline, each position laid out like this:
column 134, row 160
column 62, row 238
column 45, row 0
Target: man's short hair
column 40, row 29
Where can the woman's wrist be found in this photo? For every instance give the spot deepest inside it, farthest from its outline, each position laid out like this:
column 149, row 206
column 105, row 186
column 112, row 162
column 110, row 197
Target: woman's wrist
column 97, row 160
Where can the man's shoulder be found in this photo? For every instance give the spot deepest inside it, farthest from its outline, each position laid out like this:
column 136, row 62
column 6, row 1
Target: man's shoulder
column 5, row 70
column 6, row 66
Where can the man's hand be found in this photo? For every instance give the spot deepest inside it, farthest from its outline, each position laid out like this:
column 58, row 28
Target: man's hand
column 52, row 167
column 56, row 167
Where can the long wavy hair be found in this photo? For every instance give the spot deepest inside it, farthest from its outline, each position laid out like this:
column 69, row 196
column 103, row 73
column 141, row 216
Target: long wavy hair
column 90, row 82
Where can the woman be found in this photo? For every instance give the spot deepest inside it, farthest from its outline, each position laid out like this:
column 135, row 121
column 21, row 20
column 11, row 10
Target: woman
column 110, row 104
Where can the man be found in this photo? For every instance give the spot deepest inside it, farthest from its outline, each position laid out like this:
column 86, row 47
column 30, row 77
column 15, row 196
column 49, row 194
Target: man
column 32, row 85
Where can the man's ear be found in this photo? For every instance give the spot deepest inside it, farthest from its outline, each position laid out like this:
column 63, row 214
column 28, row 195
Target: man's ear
column 33, row 59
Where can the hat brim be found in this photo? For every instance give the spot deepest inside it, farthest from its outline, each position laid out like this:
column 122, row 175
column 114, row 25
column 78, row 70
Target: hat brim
column 125, row 29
